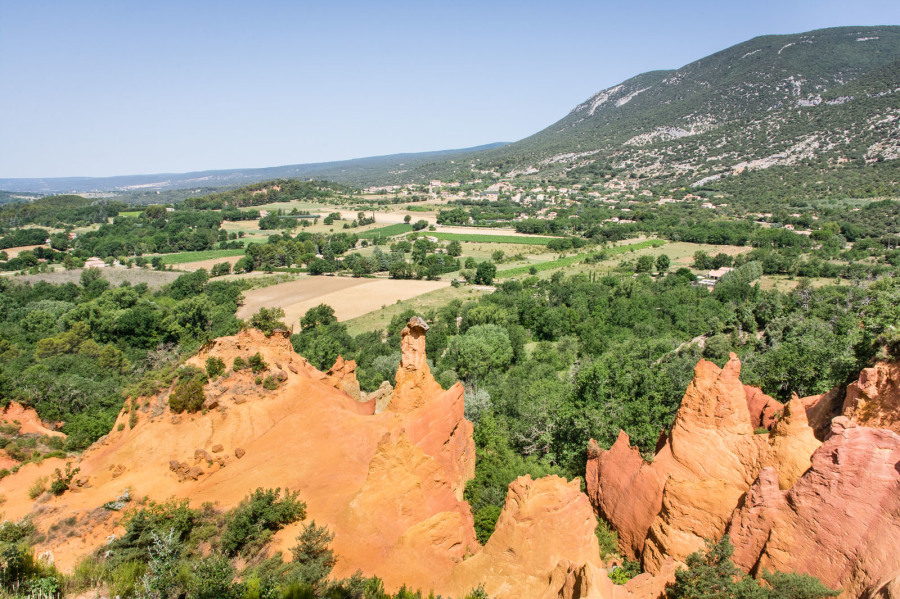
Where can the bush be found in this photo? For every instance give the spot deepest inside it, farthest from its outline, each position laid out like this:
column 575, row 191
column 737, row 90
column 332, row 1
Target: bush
column 257, row 364
column 37, row 489
column 608, row 539
column 267, row 320
column 187, row 397
column 215, row 367
column 211, row 578
column 711, row 574
column 264, row 512
column 62, row 481
column 313, row 557
column 628, row 570
column 270, row 383
column 238, row 364
column 143, row 527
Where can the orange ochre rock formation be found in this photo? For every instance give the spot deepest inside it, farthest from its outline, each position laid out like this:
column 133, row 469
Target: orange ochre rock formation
column 788, row 501
column 389, row 485
column 27, row 420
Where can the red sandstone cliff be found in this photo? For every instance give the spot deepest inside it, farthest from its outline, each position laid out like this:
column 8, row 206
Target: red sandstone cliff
column 788, row 501
column 667, row 507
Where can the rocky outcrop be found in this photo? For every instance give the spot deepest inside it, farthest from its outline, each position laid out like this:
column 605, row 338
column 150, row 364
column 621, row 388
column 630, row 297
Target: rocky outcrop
column 787, row 500
column 343, row 375
column 874, row 399
column 381, row 396
column 791, row 444
column 389, row 485
column 27, row 420
column 821, row 409
column 764, row 410
column 414, row 383
column 544, row 543
column 839, row 522
column 667, row 507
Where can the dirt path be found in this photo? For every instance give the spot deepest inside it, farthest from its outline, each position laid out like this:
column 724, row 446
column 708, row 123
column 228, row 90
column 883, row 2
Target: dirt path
column 349, row 297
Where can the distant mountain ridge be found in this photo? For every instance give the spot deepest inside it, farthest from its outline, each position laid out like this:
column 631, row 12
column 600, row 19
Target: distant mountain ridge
column 357, row 171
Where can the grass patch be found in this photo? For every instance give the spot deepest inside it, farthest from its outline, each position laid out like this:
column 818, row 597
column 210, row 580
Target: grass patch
column 542, row 266
column 131, row 213
column 388, row 231
column 475, row 238
column 575, row 259
column 378, row 319
column 184, row 257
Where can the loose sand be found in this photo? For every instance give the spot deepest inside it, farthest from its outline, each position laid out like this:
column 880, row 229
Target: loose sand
column 349, row 297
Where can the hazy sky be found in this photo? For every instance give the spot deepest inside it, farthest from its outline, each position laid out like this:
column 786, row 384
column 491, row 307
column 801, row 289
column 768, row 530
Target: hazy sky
column 125, row 87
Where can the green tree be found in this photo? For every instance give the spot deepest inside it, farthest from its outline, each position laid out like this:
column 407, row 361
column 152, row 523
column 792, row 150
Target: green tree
column 482, row 349
column 644, row 264
column 321, row 315
column 711, row 574
column 313, row 557
column 485, row 273
column 663, row 263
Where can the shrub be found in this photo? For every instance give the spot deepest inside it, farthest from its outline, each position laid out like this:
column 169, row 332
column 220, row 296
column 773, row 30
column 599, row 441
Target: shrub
column 147, row 524
column 608, row 539
column 313, row 557
column 628, row 570
column 187, row 397
column 257, row 364
column 38, row 488
column 264, row 512
column 267, row 320
column 238, row 364
column 211, row 578
column 712, row 574
column 270, row 383
column 62, row 481
column 215, row 367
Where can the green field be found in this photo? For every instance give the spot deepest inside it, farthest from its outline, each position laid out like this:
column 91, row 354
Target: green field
column 184, row 257
column 475, row 238
column 388, row 231
column 131, row 213
column 570, row 260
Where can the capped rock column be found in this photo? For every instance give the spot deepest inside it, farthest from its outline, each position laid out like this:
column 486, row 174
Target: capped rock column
column 414, row 381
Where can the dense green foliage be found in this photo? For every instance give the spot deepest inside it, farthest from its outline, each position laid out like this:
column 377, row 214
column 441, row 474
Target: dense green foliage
column 268, row 192
column 252, row 523
column 70, row 350
column 711, row 574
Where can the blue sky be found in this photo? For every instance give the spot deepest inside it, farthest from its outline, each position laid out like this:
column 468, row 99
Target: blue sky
column 91, row 88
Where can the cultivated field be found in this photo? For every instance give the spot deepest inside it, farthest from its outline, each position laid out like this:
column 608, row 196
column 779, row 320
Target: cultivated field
column 116, row 276
column 215, row 256
column 350, row 297
column 14, row 252
column 377, row 320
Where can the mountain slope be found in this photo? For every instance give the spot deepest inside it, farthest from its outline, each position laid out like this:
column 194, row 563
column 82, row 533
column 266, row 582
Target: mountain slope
column 823, row 102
